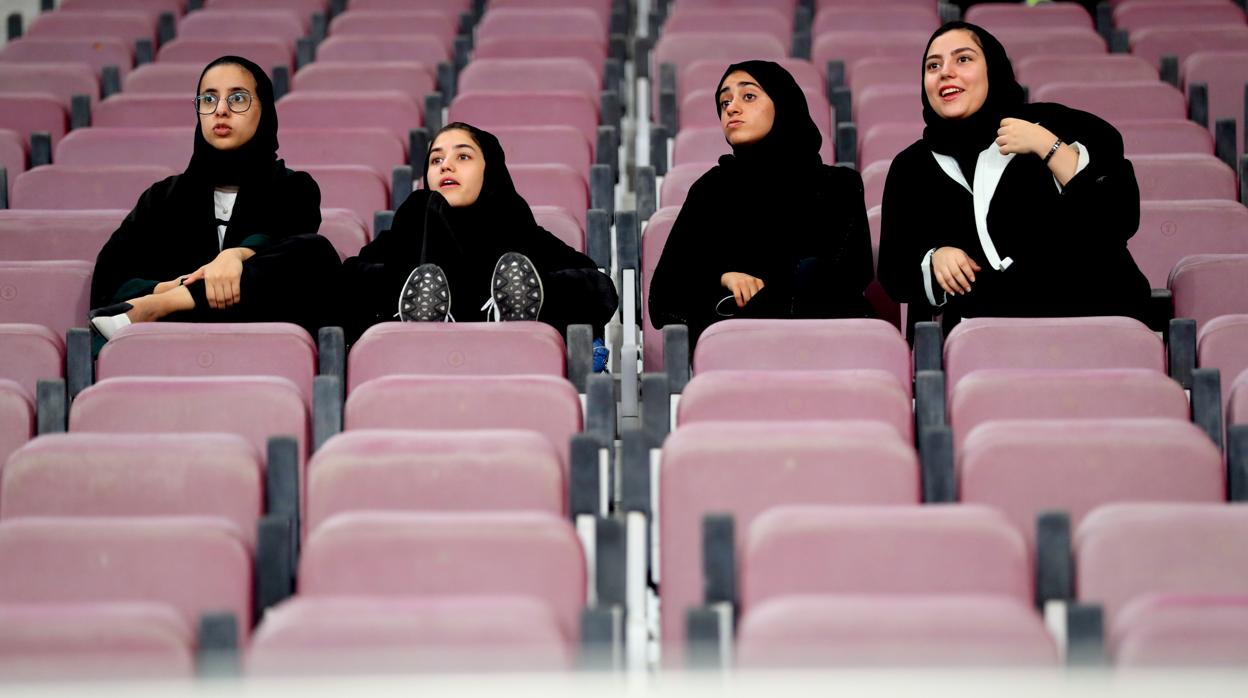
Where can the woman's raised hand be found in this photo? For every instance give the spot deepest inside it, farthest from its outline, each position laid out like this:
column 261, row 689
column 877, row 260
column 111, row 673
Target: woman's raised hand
column 221, row 277
column 742, row 286
column 1019, row 136
column 954, row 270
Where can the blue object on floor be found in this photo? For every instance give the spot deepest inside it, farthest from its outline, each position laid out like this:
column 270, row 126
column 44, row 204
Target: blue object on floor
column 600, row 356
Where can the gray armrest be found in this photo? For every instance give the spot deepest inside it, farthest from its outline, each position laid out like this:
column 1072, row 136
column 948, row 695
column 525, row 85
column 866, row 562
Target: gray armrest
column 1237, row 463
column 305, row 52
column 598, row 237
column 676, row 357
column 602, row 639
column 1198, row 103
column 432, row 114
column 647, row 196
column 79, row 365
column 658, row 154
column 656, row 408
column 936, row 464
column 275, row 578
column 1181, row 350
column 719, row 559
column 1207, row 402
column 327, row 401
column 40, row 148
column 929, row 341
column 610, row 561
column 846, row 142
column 1085, row 636
column 382, row 220
column 584, row 482
column 417, row 145
column 331, row 353
column 401, row 178
column 600, row 407
column 216, row 647
column 1055, row 578
column 580, row 348
column 281, row 486
column 602, row 186
column 929, row 399
column 51, row 407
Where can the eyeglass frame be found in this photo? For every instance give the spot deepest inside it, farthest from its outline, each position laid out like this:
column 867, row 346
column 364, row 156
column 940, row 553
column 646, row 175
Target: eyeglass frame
column 200, row 98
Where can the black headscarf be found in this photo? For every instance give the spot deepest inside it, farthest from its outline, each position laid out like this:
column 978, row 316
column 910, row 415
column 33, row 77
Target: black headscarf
column 793, row 135
column 254, row 160
column 965, row 138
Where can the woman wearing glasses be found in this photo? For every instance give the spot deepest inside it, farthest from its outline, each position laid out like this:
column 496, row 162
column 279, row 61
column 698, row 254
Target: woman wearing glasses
column 253, row 256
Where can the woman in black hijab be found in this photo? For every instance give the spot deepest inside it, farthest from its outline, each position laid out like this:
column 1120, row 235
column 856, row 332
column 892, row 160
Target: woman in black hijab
column 769, row 232
column 231, row 239
column 469, row 238
column 1005, row 208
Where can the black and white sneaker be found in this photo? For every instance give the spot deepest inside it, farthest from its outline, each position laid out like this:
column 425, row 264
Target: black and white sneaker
column 516, row 290
column 426, row 297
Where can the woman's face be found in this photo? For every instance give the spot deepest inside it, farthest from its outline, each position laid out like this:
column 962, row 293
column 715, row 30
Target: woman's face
column 746, row 113
column 456, row 167
column 224, row 128
column 955, row 76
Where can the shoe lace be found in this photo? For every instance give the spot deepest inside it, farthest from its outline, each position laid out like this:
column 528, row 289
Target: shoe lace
column 492, row 307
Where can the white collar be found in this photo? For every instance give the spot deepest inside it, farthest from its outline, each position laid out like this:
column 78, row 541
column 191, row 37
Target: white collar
column 988, row 170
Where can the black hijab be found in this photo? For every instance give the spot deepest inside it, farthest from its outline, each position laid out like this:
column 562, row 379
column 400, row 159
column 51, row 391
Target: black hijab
column 964, row 139
column 253, row 161
column 793, row 135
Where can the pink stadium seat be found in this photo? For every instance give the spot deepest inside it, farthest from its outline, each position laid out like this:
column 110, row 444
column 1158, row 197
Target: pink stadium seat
column 678, row 179
column 797, row 395
column 705, row 73
column 592, row 51
column 1043, row 343
column 730, row 20
column 561, row 224
column 759, row 466
column 804, row 345
column 96, row 53
column 421, row 48
column 148, row 110
column 1039, row 70
column 1171, row 230
column 1182, row 41
column 128, row 26
column 254, row 407
column 601, row 7
column 153, row 7
column 46, row 235
column 1000, row 15
column 1024, row 467
column 463, row 349
column 539, row 74
column 940, row 561
column 865, row 17
column 85, row 186
column 443, row 24
column 388, row 109
column 883, row 141
column 543, row 403
column 653, row 238
column 1136, row 16
column 438, row 555
column 17, row 417
column 162, row 78
column 784, row 7
column 315, row 636
column 49, row 293
column 12, row 154
column 1118, row 101
column 699, row 144
column 28, row 112
column 1208, row 285
column 1024, row 42
column 1223, row 73
column 301, row 7
column 684, row 48
column 527, row 108
column 354, row 187
column 886, row 104
column 404, row 470
column 345, row 229
column 196, row 565
column 874, row 176
column 30, row 352
column 879, row 70
column 1222, row 343
column 1163, row 177
column 455, row 6
column 541, row 145
column 409, row 77
column 851, row 45
column 240, row 23
column 553, row 185
column 168, row 147
column 72, row 641
column 517, row 22
column 1169, row 630
column 211, row 349
column 1126, row 551
column 376, row 148
column 989, row 395
column 61, row 80
column 1165, row 137
column 264, row 52
column 129, row 475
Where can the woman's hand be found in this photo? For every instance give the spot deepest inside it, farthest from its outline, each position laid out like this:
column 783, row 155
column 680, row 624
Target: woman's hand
column 221, row 277
column 954, row 270
column 742, row 286
column 1018, row 136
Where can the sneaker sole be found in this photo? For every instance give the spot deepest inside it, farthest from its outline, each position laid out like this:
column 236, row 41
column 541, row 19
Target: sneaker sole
column 517, row 288
column 426, row 297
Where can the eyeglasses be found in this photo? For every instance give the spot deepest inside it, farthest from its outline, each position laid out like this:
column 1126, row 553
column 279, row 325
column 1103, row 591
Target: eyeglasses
column 238, row 102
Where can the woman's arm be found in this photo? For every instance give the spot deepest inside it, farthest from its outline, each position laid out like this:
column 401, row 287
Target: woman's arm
column 908, row 230
column 687, row 283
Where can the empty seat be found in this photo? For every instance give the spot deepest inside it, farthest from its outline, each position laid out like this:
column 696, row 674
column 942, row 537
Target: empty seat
column 442, row 23
column 562, row 224
column 409, row 77
column 1169, row 630
column 653, row 239
column 1222, row 343
column 239, row 23
column 47, row 235
column 467, row 349
column 569, row 21
column 456, row 6
column 886, row 104
column 27, row 113
column 677, row 181
column 17, row 417
column 62, row 80
column 168, row 147
column 683, row 48
column 699, row 144
column 432, row 555
column 1222, row 73
column 267, row 53
column 85, row 186
column 376, row 148
column 1038, row 343
column 870, row 18
column 345, row 229
column 879, row 70
column 48, row 293
column 1208, row 285
column 874, row 176
column 850, row 45
column 1165, row 137
column 1024, row 467
column 357, row 188
column 425, row 49
column 730, row 20
column 745, row 469
column 540, row 74
column 1118, row 101
column 779, row 396
column 999, row 15
column 1023, row 42
column 95, row 52
column 393, row 470
column 548, row 405
column 527, row 108
column 177, row 7
column 211, row 349
column 131, row 475
column 1169, row 177
column 882, row 142
column 1136, row 16
column 1152, row 43
column 553, row 185
column 545, row 145
column 196, row 565
column 302, row 8
column 144, row 110
column 1040, row 70
column 1172, row 230
column 592, row 51
column 989, row 395
column 31, row 353
column 388, row 109
column 158, row 78
column 128, row 26
column 315, row 636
